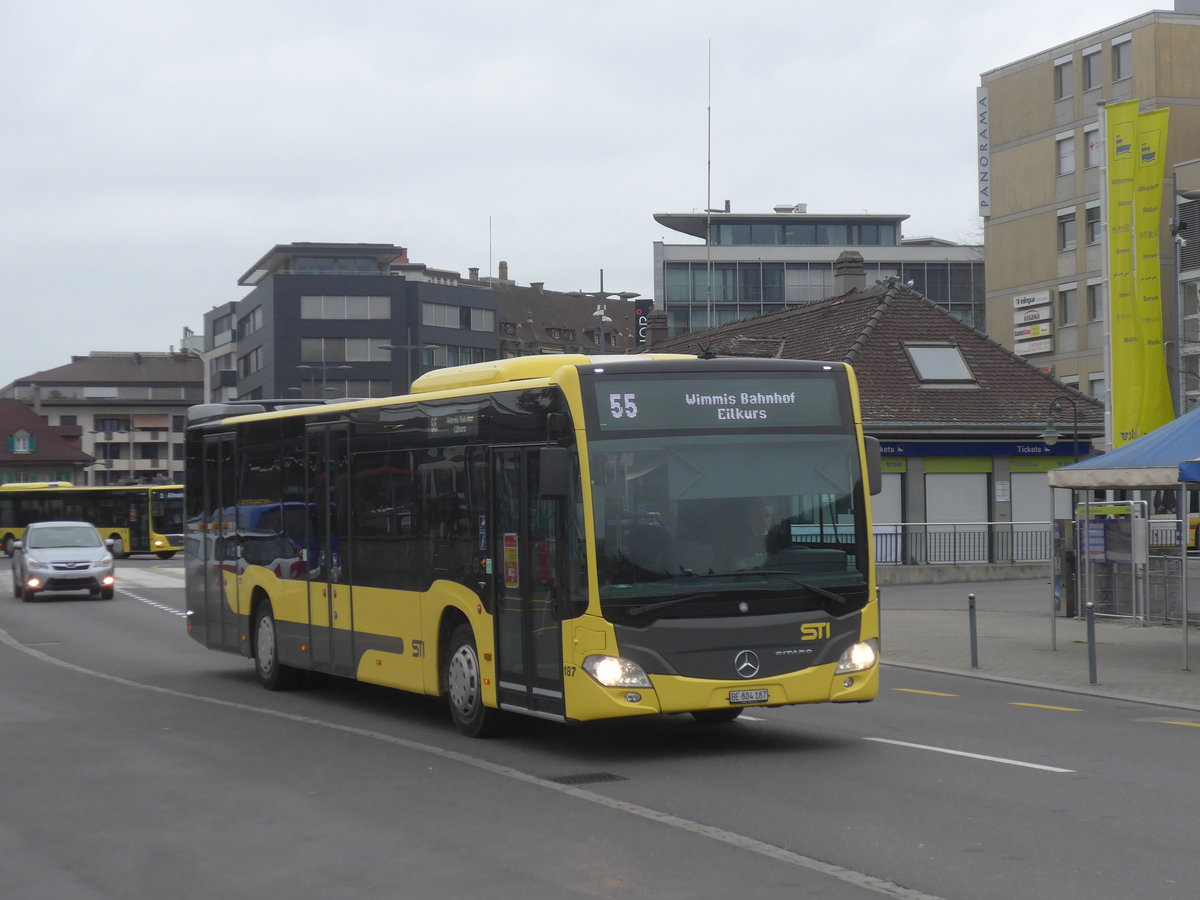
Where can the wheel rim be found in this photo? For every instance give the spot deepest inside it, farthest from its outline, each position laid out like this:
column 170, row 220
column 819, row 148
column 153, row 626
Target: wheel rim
column 463, row 681
column 265, row 644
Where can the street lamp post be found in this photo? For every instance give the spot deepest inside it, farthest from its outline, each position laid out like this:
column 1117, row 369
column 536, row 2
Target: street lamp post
column 602, row 297
column 408, row 348
column 324, row 369
column 1050, row 435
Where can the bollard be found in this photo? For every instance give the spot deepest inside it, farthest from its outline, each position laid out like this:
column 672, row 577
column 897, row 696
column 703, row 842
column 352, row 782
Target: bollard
column 974, row 632
column 1091, row 639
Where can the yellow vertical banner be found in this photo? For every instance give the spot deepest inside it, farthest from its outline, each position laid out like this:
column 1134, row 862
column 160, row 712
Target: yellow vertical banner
column 1139, row 390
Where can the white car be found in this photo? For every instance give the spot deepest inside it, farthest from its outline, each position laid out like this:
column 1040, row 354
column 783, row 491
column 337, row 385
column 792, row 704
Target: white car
column 62, row 556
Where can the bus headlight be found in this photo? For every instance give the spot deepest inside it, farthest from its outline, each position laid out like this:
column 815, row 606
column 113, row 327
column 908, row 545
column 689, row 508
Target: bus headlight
column 614, row 671
column 858, row 658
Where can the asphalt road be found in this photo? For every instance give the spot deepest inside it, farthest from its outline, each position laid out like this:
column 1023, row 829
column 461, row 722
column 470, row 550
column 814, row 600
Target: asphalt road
column 137, row 764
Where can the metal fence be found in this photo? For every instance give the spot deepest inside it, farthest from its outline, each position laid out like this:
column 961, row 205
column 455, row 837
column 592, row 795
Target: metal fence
column 962, row 543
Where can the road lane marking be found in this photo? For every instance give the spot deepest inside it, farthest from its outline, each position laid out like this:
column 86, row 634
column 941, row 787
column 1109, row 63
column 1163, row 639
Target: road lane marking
column 1044, row 706
column 926, row 693
column 730, row 838
column 979, row 756
column 1188, row 724
column 154, row 603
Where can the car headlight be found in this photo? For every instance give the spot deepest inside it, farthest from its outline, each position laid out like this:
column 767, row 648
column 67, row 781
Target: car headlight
column 36, row 565
column 859, row 657
column 102, row 561
column 615, row 671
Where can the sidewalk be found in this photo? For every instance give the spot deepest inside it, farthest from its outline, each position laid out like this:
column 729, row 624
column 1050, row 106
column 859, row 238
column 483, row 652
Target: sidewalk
column 928, row 627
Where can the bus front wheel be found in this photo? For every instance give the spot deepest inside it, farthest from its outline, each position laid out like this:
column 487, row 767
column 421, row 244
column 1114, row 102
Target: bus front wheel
column 464, row 687
column 118, row 548
column 165, row 554
column 273, row 674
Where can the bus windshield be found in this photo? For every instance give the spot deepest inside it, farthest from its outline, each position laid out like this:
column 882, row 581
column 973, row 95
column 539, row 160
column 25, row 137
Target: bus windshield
column 687, row 526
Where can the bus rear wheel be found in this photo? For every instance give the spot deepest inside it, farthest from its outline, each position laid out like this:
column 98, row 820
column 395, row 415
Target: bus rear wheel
column 165, row 554
column 464, row 687
column 273, row 674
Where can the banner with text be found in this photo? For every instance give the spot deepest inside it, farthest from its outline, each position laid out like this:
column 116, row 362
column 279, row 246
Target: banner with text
column 1139, row 390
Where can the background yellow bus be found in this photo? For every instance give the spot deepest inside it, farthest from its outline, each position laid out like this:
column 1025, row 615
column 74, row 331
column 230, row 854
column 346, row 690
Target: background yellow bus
column 137, row 518
column 558, row 536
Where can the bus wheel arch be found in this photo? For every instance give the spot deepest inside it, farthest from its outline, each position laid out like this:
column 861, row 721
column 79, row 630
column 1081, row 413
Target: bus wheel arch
column 118, row 547
column 264, row 644
column 462, row 681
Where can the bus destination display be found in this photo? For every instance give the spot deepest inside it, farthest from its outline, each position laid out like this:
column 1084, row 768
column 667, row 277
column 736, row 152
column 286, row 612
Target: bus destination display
column 793, row 401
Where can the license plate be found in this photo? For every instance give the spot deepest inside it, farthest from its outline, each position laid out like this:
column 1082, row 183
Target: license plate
column 748, row 696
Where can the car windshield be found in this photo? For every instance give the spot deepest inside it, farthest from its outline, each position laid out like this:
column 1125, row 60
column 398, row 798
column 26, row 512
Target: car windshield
column 688, row 526
column 62, row 536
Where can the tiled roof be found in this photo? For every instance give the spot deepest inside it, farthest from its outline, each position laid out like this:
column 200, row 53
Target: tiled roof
column 123, row 368
column 49, row 445
column 869, row 328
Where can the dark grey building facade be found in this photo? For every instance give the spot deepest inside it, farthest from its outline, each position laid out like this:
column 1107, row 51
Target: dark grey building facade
column 325, row 321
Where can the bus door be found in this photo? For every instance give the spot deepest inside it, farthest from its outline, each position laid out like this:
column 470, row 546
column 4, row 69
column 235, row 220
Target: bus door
column 528, row 584
column 329, row 608
column 219, row 540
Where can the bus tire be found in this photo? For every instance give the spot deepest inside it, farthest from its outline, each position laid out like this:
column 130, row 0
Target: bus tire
column 273, row 674
column 8, row 545
column 165, row 554
column 716, row 716
column 118, row 548
column 464, row 687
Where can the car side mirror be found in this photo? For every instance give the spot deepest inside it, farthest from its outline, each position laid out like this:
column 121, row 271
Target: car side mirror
column 17, row 545
column 108, row 542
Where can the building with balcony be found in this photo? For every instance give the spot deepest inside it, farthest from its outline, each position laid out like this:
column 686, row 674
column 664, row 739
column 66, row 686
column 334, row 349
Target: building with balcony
column 748, row 264
column 126, row 408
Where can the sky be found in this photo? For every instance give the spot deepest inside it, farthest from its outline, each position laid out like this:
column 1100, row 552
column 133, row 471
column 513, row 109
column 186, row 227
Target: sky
column 151, row 152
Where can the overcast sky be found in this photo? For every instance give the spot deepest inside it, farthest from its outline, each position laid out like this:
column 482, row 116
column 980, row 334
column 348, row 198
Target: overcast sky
column 151, row 152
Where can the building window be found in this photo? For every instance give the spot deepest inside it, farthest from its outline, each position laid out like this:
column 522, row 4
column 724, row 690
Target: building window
column 251, row 362
column 249, row 323
column 1062, row 79
column 1097, row 385
column 1066, row 230
column 21, row 442
column 481, row 319
column 440, row 315
column 1091, row 69
column 938, row 362
column 1065, row 144
column 353, row 307
column 1095, row 302
column 1122, row 57
column 1093, row 147
column 437, row 356
column 1068, row 312
column 1092, row 225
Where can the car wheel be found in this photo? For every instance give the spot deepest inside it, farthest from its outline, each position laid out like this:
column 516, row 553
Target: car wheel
column 166, row 554
column 27, row 595
column 464, row 687
column 16, row 587
column 106, row 593
column 716, row 716
column 271, row 672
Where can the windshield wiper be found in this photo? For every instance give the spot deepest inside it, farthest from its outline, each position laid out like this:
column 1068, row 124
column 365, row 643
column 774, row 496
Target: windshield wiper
column 663, row 604
column 816, row 589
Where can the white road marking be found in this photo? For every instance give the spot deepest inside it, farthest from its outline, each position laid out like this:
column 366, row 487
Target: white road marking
column 730, row 838
column 979, row 756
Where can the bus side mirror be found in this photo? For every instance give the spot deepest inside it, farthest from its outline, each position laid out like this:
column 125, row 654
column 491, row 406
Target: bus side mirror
column 874, row 464
column 554, row 472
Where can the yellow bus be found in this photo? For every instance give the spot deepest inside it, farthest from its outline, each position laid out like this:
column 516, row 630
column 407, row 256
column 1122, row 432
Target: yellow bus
column 564, row 537
column 140, row 518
